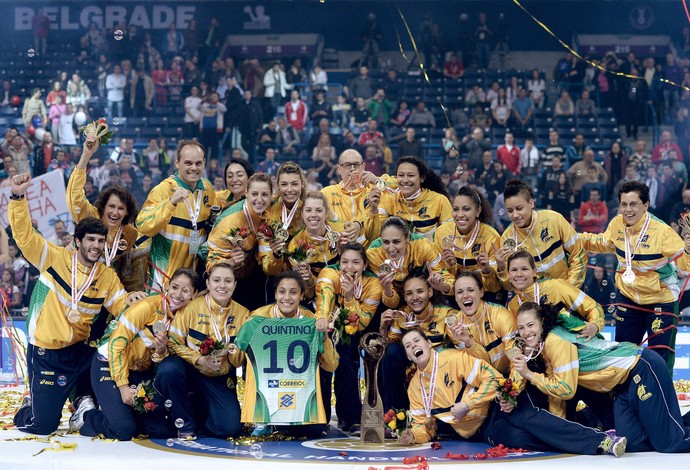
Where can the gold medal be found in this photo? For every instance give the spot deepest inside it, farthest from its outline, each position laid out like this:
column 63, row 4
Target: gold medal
column 73, row 314
column 159, row 327
column 429, row 423
column 385, row 268
column 628, row 277
column 451, row 320
column 332, row 236
column 510, row 244
column 281, row 235
column 122, row 245
column 448, row 242
column 513, row 353
column 232, row 349
column 380, row 184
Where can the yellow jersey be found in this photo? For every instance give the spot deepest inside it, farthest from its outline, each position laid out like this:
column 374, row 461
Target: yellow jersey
column 271, row 264
column 432, row 321
column 47, row 323
column 329, row 296
column 425, row 213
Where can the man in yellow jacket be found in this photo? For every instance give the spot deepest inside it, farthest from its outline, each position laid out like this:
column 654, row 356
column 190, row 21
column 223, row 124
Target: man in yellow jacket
column 68, row 297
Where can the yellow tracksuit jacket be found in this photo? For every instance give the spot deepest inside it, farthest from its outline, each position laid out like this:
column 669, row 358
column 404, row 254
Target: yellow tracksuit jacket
column 433, row 325
column 456, row 369
column 426, row 213
column 656, row 279
column 419, row 252
column 271, row 265
column 47, row 323
column 193, row 324
column 169, row 226
column 466, row 260
column 328, row 296
column 557, row 249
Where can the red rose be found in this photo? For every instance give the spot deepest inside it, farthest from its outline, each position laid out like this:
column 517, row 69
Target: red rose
column 203, row 349
column 508, row 384
column 149, row 406
column 353, row 318
column 101, row 121
column 435, row 445
column 387, row 418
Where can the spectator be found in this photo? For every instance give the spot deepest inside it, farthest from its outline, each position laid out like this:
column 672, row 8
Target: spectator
column 554, row 147
column 548, row 178
column 655, row 188
column 380, row 109
column 251, row 120
column 318, row 77
column 34, row 107
column 373, row 160
column 492, row 93
column 287, row 137
column 454, row 69
column 635, row 96
column 324, row 129
column 600, row 286
column 497, row 181
column 324, row 159
column 513, row 89
column 681, row 206
column 320, row 108
column 485, row 171
column 483, row 37
column 529, row 161
column 10, row 295
column 313, row 180
column 475, row 95
column 523, row 110
column 211, row 125
column 480, row 118
column 537, row 87
column 578, row 172
column 11, row 171
column 509, row 154
column 561, row 198
column 399, row 117
column 161, row 79
column 66, row 131
column 672, row 187
column 350, row 142
column 411, row 145
column 360, row 117
column 371, row 37
column 392, row 86
column 57, row 109
column 56, row 92
column 341, row 112
column 500, row 109
column 190, row 38
column 151, row 163
column 564, row 106
column 40, row 25
column 192, row 113
column 591, row 183
column 501, row 217
column 192, row 74
column 474, row 146
column 450, row 145
column 44, row 154
column 115, row 84
column 666, row 149
column 459, row 118
column 19, row 148
column 630, row 175
column 421, row 117
column 371, row 133
column 296, row 112
column 78, row 92
column 673, row 73
column 173, row 42
column 276, row 86
column 142, row 92
column 6, row 93
column 576, row 150
column 362, row 86
column 211, row 43
column 641, row 157
column 268, row 135
column 615, row 163
column 269, row 165
column 585, row 106
column 384, row 150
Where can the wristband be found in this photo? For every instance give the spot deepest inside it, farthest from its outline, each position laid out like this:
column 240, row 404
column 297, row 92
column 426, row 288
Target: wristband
column 16, row 197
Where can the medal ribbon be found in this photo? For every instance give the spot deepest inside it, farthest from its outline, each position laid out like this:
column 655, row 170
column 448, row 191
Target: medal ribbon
column 536, row 294
column 110, row 253
column 428, row 398
column 630, row 253
column 287, row 218
column 535, row 216
column 248, row 216
column 324, row 239
column 78, row 293
column 358, row 287
column 470, row 242
column 214, row 324
column 278, row 314
column 194, row 212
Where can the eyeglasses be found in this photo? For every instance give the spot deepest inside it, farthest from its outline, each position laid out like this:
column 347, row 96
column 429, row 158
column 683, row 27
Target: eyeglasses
column 632, row 205
column 352, row 166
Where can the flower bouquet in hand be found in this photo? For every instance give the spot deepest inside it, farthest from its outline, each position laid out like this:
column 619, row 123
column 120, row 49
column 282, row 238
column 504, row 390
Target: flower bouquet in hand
column 344, row 324
column 236, row 235
column 684, row 223
column 97, row 131
column 143, row 397
column 507, row 391
column 217, row 353
column 301, row 254
column 397, row 421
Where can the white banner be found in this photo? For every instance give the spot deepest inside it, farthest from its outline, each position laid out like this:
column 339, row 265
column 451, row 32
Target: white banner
column 47, row 203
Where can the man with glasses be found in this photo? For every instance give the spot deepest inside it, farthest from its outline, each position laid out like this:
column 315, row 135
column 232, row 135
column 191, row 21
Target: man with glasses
column 349, row 198
column 646, row 277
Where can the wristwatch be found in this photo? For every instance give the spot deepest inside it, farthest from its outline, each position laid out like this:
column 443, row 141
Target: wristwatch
column 16, row 197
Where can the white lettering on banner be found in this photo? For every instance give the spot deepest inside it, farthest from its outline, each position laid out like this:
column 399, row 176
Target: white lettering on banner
column 47, row 203
column 146, row 16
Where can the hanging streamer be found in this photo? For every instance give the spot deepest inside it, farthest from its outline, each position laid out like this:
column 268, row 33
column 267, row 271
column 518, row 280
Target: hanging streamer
column 685, row 5
column 593, row 64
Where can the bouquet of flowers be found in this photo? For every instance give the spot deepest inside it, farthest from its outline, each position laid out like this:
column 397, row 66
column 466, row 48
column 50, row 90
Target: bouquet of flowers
column 397, row 421
column 98, row 130
column 143, row 397
column 303, row 252
column 210, row 346
column 344, row 324
column 265, row 231
column 507, row 391
column 237, row 235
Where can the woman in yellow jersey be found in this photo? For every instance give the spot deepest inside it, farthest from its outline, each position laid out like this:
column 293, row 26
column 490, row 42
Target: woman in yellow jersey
column 237, row 174
column 451, row 394
column 468, row 242
column 115, row 206
column 645, row 407
column 349, row 286
column 207, row 371
column 133, row 343
column 424, row 310
column 284, row 217
column 319, row 243
column 589, row 316
column 397, row 253
column 421, row 199
column 486, row 330
column 546, row 235
column 234, row 240
column 289, row 290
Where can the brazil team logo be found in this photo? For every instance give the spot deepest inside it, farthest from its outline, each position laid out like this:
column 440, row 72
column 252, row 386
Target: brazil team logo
column 286, row 401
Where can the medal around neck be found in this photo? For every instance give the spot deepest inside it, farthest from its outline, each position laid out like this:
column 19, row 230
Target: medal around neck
column 628, row 277
column 281, row 235
column 510, row 244
column 73, row 314
column 159, row 327
column 451, row 320
column 385, row 267
column 380, row 184
column 333, row 236
column 447, row 242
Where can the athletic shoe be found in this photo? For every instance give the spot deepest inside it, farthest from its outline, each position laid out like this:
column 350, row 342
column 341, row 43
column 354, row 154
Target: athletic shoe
column 82, row 405
column 614, row 445
column 261, row 430
column 26, row 402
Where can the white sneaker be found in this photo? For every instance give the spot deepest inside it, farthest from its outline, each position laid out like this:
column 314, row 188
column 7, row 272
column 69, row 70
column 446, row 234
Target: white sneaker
column 83, row 405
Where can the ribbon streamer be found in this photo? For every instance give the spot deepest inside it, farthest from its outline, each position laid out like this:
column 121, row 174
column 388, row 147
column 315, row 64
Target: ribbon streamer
column 593, row 64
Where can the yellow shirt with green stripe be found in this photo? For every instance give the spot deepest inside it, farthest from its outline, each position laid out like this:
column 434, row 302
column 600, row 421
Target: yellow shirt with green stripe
column 271, row 264
column 425, row 213
column 557, row 249
column 432, row 321
column 47, row 323
column 329, row 296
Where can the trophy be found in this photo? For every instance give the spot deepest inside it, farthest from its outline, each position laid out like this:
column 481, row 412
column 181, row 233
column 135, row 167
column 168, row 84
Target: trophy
column 684, row 223
column 372, row 346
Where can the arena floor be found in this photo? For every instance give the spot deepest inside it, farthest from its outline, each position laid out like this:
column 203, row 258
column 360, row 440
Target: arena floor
column 73, row 452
